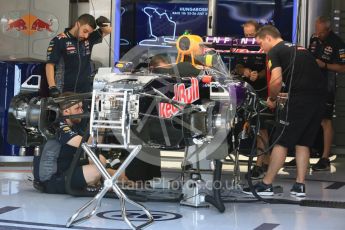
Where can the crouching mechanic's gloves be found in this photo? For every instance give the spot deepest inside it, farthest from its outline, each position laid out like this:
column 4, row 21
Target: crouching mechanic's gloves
column 54, row 92
column 102, row 21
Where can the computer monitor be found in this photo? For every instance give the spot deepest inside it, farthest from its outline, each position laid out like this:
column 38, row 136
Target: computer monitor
column 144, row 22
column 167, row 21
column 236, row 12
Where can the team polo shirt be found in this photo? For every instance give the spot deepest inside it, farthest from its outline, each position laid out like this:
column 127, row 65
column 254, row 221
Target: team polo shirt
column 331, row 50
column 255, row 63
column 300, row 70
column 64, row 134
column 72, row 60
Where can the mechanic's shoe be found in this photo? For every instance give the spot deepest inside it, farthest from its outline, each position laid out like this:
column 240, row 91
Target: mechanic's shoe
column 261, row 189
column 298, row 189
column 257, row 172
column 93, row 188
column 290, row 164
column 39, row 186
column 114, row 162
column 322, row 165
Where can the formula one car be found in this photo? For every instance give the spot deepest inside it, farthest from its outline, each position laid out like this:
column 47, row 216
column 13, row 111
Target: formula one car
column 188, row 99
column 159, row 97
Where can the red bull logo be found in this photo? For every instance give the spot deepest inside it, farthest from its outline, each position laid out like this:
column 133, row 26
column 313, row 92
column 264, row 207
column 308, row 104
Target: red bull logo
column 29, row 24
column 18, row 25
column 181, row 94
column 40, row 25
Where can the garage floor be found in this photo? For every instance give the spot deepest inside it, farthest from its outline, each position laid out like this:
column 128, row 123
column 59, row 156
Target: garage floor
column 22, row 207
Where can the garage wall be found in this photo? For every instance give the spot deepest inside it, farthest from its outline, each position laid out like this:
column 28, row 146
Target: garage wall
column 338, row 16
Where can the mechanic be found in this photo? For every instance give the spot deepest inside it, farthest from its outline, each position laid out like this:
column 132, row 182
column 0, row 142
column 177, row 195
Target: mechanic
column 253, row 70
column 57, row 156
column 159, row 61
column 300, row 118
column 160, row 64
column 68, row 65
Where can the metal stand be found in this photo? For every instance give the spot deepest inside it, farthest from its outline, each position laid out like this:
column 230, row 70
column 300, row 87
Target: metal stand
column 112, row 110
column 194, row 192
column 194, row 189
column 110, row 182
column 235, row 183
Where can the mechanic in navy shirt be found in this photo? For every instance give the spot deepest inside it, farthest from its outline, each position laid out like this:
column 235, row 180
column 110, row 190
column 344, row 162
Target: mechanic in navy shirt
column 252, row 68
column 68, row 65
column 300, row 118
column 69, row 137
column 329, row 51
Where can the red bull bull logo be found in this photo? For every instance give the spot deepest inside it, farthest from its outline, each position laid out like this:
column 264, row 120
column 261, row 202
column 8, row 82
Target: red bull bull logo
column 29, row 24
column 181, row 94
column 40, row 25
column 18, row 25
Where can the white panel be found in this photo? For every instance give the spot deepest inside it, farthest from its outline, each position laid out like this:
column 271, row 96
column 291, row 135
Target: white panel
column 14, row 42
column 212, row 18
column 317, row 8
column 310, row 10
column 53, row 16
column 101, row 52
column 83, row 8
column 27, row 26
